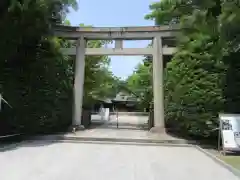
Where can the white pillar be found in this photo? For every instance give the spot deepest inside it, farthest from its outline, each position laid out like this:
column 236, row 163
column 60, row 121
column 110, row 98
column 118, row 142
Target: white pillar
column 106, row 114
column 159, row 124
column 102, row 112
column 79, row 81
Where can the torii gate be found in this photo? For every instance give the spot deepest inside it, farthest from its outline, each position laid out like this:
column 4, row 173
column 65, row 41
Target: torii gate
column 155, row 33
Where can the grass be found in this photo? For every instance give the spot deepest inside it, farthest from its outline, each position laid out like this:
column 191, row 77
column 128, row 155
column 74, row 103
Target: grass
column 231, row 160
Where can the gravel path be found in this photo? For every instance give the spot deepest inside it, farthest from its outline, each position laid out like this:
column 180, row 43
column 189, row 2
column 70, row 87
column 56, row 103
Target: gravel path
column 77, row 161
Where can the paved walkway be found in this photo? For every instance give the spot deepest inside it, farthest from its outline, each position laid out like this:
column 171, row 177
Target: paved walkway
column 125, row 121
column 130, row 127
column 76, row 161
column 46, row 160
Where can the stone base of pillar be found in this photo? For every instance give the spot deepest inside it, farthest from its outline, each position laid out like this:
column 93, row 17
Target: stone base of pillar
column 158, row 130
column 76, row 128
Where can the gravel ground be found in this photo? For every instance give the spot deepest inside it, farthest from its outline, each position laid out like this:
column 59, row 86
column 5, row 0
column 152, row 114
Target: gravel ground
column 77, row 161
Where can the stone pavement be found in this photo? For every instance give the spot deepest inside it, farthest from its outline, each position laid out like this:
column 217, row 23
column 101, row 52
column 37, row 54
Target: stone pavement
column 124, row 120
column 130, row 128
column 77, row 161
column 86, row 159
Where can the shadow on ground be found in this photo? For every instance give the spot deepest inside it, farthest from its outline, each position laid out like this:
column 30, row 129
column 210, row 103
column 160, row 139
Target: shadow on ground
column 233, row 153
column 15, row 145
column 113, row 125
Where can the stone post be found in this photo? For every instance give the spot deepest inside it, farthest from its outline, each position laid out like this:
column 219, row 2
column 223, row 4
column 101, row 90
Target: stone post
column 79, row 81
column 159, row 124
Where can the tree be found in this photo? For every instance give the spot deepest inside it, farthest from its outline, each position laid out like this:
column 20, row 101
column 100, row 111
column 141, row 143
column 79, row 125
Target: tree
column 193, row 78
column 140, row 83
column 34, row 76
column 230, row 31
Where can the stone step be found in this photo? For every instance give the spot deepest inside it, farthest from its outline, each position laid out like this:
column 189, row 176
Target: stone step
column 107, row 139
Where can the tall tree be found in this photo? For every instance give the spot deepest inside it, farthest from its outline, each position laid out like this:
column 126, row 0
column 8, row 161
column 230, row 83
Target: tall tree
column 193, row 89
column 34, row 77
column 230, row 38
column 140, row 82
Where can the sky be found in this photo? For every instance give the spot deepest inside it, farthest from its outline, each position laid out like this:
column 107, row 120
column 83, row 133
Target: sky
column 115, row 13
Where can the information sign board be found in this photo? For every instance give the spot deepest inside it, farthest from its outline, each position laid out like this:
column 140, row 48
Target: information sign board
column 230, row 131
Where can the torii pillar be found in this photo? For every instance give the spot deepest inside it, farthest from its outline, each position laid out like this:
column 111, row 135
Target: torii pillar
column 158, row 87
column 79, row 82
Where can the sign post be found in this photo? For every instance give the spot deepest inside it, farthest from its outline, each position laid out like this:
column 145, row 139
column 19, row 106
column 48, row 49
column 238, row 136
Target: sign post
column 229, row 132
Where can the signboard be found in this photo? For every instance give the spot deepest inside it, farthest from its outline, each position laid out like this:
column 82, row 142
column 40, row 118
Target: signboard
column 230, row 131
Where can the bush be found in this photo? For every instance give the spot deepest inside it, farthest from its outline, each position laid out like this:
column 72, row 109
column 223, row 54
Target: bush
column 34, row 77
column 193, row 90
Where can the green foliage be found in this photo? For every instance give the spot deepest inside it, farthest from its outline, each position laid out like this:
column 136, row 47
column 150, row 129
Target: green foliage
column 35, row 78
column 202, row 78
column 193, row 95
column 230, row 38
column 140, row 82
column 193, row 78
